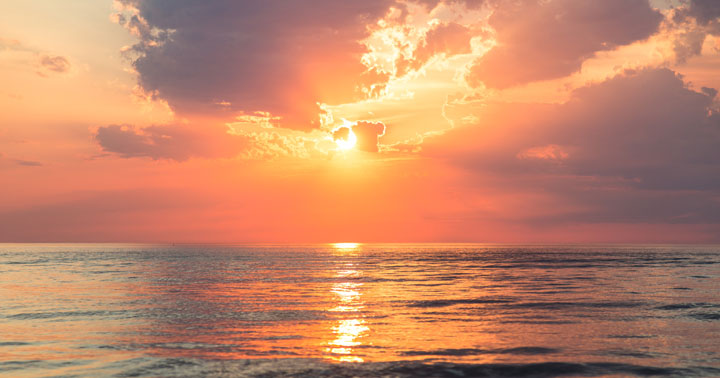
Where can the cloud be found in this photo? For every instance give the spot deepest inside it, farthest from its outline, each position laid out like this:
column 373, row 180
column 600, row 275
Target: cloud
column 442, row 38
column 548, row 152
column 548, row 39
column 693, row 22
column 28, row 163
column 282, row 58
column 21, row 162
column 43, row 63
column 705, row 12
column 15, row 45
column 641, row 147
column 185, row 141
column 367, row 134
column 342, row 133
column 172, row 142
column 58, row 64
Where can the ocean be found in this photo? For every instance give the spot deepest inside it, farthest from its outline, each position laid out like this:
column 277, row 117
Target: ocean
column 400, row 310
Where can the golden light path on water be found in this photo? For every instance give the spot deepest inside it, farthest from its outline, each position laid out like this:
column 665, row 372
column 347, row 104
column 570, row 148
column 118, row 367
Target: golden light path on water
column 350, row 330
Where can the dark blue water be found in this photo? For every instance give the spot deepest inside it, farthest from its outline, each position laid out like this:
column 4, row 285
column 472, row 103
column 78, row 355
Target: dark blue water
column 359, row 310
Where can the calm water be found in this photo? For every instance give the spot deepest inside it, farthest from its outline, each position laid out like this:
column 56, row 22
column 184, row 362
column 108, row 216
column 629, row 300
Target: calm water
column 324, row 310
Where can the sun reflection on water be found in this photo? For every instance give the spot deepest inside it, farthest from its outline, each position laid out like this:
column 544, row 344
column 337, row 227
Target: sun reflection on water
column 351, row 328
column 342, row 246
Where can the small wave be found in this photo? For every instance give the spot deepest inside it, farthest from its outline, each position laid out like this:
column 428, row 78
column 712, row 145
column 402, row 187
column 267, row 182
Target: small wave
column 632, row 336
column 628, row 353
column 303, row 368
column 62, row 314
column 706, row 315
column 686, row 306
column 476, row 352
column 563, row 305
column 7, row 366
column 452, row 302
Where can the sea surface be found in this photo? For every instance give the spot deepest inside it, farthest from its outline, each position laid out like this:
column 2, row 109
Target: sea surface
column 91, row 310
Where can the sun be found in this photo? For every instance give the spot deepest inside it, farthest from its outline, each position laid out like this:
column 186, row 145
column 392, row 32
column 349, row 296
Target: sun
column 344, row 136
column 345, row 245
column 347, row 144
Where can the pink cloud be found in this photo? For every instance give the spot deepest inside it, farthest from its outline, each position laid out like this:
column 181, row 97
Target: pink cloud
column 540, row 40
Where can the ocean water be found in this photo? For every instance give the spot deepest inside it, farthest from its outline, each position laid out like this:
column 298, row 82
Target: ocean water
column 358, row 310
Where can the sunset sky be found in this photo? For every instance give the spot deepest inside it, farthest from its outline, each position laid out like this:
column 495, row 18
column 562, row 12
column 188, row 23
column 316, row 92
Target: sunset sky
column 366, row 121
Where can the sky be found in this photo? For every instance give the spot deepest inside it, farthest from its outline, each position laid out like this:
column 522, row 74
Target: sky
column 498, row 121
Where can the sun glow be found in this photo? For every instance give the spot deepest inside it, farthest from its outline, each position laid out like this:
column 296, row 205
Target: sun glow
column 345, row 245
column 347, row 144
column 344, row 136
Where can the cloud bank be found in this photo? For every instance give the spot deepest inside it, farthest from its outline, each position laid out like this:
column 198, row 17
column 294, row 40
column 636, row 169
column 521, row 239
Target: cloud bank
column 640, row 147
column 173, row 142
column 278, row 57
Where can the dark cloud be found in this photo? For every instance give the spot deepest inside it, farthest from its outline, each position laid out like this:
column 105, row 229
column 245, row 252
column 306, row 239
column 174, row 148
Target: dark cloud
column 367, row 134
column 282, row 57
column 711, row 92
column 174, row 142
column 541, row 39
column 640, row 147
column 697, row 19
column 705, row 12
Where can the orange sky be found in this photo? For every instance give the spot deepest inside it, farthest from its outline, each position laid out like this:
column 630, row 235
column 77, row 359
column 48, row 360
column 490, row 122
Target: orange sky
column 376, row 121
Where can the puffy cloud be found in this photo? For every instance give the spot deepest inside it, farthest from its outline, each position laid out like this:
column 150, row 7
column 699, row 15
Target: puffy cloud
column 341, row 133
column 367, row 134
column 641, row 147
column 278, row 57
column 548, row 39
column 442, row 38
column 173, row 142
